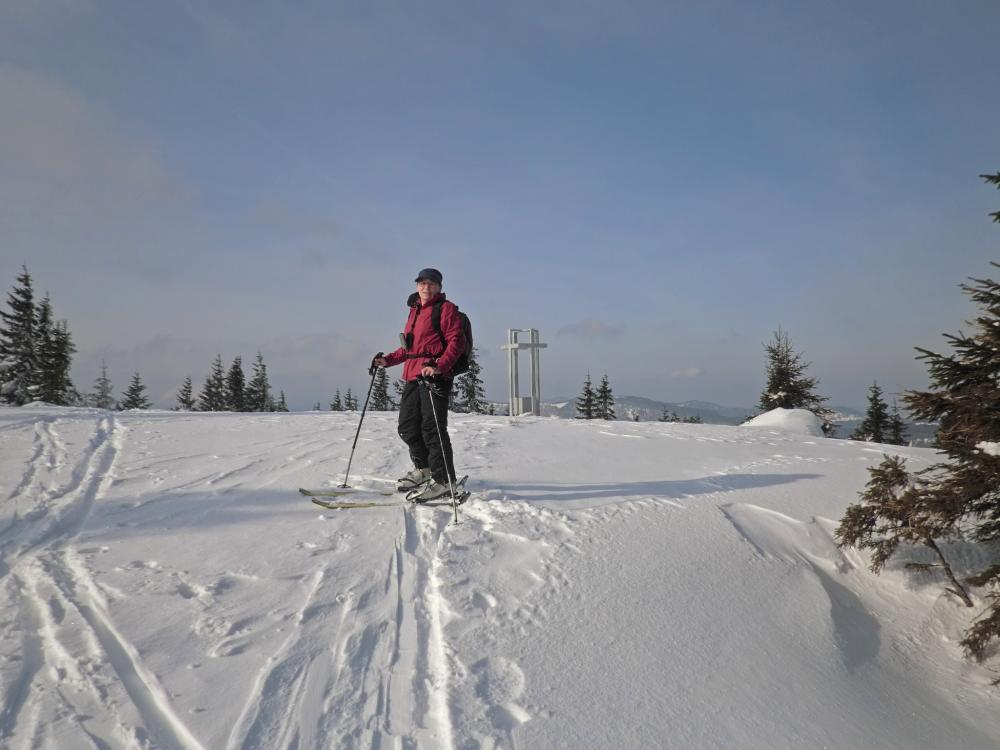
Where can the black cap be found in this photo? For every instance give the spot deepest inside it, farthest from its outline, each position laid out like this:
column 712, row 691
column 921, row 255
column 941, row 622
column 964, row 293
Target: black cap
column 430, row 274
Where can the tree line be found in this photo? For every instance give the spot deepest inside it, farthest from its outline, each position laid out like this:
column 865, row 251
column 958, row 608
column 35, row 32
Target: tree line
column 36, row 354
column 36, row 350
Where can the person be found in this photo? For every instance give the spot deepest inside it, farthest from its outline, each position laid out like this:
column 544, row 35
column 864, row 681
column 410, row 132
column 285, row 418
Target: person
column 427, row 361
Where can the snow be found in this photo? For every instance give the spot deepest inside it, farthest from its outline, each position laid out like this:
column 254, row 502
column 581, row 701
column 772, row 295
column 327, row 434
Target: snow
column 990, row 449
column 610, row 585
column 799, row 421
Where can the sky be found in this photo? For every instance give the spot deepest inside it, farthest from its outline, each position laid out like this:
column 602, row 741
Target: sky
column 656, row 187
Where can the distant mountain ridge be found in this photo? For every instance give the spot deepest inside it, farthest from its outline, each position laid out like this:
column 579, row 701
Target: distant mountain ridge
column 650, row 410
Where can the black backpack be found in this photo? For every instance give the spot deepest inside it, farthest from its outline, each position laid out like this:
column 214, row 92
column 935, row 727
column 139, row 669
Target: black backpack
column 462, row 363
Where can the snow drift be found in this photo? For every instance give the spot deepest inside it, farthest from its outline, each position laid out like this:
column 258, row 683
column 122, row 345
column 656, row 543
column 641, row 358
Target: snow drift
column 800, row 421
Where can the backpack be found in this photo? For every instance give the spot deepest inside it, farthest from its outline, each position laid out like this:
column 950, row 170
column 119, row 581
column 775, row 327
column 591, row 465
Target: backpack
column 462, row 363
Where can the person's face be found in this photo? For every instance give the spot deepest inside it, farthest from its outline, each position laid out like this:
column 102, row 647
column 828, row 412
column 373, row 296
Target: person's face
column 427, row 289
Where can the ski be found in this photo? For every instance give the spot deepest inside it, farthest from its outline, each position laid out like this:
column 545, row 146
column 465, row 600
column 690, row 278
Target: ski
column 334, row 504
column 341, row 491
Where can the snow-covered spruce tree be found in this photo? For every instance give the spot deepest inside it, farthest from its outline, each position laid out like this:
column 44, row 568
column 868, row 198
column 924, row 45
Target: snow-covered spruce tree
column 185, row 396
column 605, row 400
column 19, row 371
column 668, row 416
column 282, row 405
column 350, row 404
column 397, row 387
column 471, row 396
column 787, row 386
column 236, row 386
column 213, row 393
column 965, row 402
column 586, row 404
column 897, row 427
column 896, row 509
column 692, row 420
column 257, row 394
column 336, row 404
column 875, row 426
column 380, row 391
column 54, row 351
column 135, row 395
column 57, row 359
column 101, row 397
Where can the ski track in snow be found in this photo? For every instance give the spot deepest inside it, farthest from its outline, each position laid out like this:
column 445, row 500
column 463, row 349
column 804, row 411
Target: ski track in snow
column 46, row 580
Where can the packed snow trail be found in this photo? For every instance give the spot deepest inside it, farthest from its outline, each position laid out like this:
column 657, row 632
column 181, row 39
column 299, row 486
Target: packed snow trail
column 610, row 585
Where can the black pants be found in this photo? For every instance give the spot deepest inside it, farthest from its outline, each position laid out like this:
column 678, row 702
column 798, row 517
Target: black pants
column 417, row 428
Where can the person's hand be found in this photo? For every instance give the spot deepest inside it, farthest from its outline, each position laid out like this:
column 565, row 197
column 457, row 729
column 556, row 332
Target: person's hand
column 379, row 362
column 430, row 372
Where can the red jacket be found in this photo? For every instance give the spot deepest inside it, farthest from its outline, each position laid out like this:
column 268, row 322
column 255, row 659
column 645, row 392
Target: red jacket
column 425, row 341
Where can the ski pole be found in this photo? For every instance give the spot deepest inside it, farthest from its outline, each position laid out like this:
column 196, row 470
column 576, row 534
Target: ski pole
column 371, row 371
column 444, row 457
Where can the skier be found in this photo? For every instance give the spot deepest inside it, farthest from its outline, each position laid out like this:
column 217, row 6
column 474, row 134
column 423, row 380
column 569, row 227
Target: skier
column 429, row 353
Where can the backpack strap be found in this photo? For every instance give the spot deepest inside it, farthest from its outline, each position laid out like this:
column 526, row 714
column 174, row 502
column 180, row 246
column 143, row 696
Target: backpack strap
column 436, row 323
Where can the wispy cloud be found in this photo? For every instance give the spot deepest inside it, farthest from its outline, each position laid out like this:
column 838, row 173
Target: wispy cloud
column 590, row 328
column 687, row 373
column 69, row 171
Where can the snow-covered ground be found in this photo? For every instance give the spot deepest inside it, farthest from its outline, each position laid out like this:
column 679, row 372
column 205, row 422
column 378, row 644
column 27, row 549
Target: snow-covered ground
column 610, row 585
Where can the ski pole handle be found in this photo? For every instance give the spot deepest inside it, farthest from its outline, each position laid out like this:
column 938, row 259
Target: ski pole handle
column 373, row 366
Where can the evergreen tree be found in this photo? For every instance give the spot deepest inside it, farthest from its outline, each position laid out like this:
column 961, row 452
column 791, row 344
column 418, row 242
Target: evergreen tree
column 54, row 354
column 897, row 427
column 135, row 395
column 336, row 404
column 350, row 404
column 257, row 394
column 491, row 409
column 961, row 494
column 471, row 396
column 669, row 417
column 605, row 400
column 236, row 387
column 101, row 397
column 787, row 386
column 965, row 402
column 213, row 393
column 45, row 344
column 693, row 420
column 993, row 179
column 380, row 391
column 19, row 371
column 185, row 396
column 893, row 510
column 282, row 405
column 397, row 386
column 317, row 406
column 875, row 426
column 58, row 360
column 586, row 404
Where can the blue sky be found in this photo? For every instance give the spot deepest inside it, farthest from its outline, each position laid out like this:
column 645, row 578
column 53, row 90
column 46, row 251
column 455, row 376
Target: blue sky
column 655, row 186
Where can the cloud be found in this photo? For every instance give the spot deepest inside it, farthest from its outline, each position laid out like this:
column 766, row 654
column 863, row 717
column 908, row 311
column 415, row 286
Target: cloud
column 590, row 328
column 687, row 373
column 70, row 173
